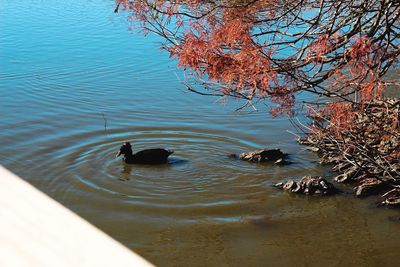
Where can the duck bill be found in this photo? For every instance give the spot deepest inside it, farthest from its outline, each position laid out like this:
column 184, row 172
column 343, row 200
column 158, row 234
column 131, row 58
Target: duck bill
column 118, row 154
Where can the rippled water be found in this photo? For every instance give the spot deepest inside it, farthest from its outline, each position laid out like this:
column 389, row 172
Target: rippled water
column 75, row 84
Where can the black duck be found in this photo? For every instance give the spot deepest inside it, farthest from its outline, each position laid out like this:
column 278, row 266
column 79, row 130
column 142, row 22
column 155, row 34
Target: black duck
column 147, row 156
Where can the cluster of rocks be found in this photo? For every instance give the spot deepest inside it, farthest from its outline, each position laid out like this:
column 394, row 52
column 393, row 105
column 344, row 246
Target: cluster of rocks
column 367, row 154
column 309, row 185
column 264, row 155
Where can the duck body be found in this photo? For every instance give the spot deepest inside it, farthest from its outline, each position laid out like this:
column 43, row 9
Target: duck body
column 147, row 156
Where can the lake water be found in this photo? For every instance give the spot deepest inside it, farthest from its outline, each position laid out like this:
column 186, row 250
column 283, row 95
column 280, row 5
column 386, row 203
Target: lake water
column 75, row 83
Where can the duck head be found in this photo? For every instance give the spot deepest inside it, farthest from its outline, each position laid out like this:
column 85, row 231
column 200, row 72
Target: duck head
column 125, row 149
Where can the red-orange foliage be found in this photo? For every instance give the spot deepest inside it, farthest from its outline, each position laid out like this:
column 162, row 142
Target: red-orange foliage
column 275, row 49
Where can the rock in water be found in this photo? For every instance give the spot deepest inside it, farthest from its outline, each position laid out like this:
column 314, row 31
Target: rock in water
column 309, row 185
column 263, row 155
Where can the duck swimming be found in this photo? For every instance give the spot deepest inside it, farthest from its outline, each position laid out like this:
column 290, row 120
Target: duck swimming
column 147, row 156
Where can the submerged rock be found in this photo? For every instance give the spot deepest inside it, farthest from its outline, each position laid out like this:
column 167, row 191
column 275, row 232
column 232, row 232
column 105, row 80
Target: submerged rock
column 309, row 185
column 264, row 155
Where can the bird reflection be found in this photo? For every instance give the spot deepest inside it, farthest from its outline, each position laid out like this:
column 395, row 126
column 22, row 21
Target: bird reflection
column 126, row 171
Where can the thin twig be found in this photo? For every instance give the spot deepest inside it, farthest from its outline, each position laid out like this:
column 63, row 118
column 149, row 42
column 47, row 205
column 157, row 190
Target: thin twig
column 105, row 122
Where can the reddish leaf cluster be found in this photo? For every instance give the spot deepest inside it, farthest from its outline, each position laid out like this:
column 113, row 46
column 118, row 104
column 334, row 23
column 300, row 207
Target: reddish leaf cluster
column 274, row 49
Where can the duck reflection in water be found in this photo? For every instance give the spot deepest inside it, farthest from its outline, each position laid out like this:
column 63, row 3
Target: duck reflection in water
column 127, row 169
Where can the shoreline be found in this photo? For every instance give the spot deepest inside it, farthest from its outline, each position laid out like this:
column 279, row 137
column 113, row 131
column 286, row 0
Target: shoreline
column 367, row 155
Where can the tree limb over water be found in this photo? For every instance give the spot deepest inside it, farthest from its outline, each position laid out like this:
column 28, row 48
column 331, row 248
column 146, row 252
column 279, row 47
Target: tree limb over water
column 272, row 49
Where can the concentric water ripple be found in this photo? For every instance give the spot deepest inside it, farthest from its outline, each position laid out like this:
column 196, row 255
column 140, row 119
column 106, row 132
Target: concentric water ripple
column 199, row 174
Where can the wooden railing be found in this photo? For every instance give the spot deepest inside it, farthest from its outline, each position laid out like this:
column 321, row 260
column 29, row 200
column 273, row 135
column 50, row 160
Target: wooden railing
column 35, row 230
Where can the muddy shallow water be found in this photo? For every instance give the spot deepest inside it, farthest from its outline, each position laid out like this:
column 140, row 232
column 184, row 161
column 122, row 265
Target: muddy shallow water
column 75, row 84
